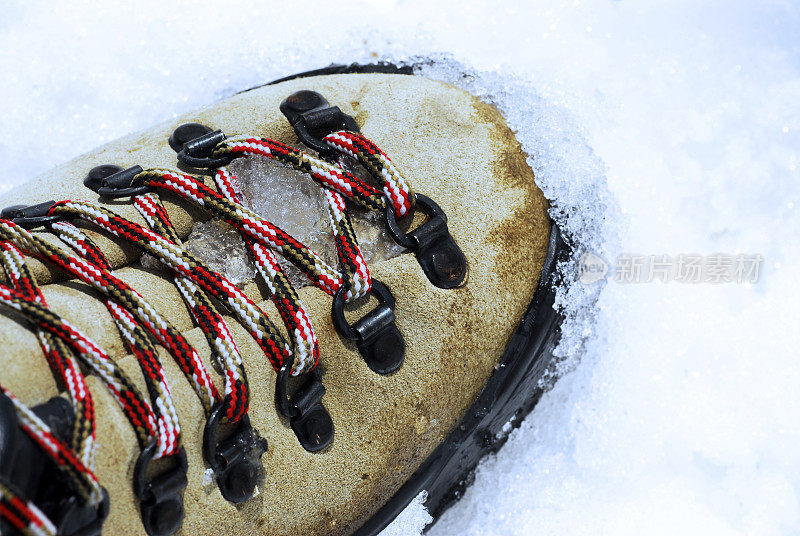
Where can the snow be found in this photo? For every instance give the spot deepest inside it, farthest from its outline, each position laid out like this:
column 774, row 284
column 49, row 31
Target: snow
column 412, row 520
column 660, row 128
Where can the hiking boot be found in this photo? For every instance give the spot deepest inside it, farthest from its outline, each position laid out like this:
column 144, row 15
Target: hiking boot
column 294, row 311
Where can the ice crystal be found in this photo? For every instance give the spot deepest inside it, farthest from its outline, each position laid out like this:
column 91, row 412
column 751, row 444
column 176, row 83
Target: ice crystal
column 295, row 203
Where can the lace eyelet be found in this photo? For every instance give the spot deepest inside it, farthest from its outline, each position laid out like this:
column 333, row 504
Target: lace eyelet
column 312, row 118
column 438, row 254
column 310, row 421
column 377, row 338
column 113, row 182
column 161, row 498
column 236, row 460
column 31, row 217
column 194, row 144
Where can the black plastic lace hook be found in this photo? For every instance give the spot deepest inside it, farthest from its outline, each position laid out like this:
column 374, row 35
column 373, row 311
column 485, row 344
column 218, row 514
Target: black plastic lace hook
column 379, row 342
column 31, row 217
column 194, row 144
column 310, row 421
column 33, row 473
column 161, row 498
column 236, row 460
column 443, row 262
column 312, row 118
column 114, row 182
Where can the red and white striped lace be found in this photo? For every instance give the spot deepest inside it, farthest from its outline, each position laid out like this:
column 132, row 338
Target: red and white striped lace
column 284, row 296
column 140, row 344
column 249, row 223
column 61, row 359
column 175, row 257
column 396, row 189
column 261, row 235
column 140, row 324
column 59, row 340
column 205, row 313
column 337, row 185
column 144, row 314
column 22, row 514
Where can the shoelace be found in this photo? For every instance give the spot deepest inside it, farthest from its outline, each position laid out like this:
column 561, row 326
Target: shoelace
column 17, row 510
column 233, row 406
column 138, row 322
column 194, row 190
column 337, row 185
column 395, row 188
column 140, row 414
column 58, row 354
column 123, row 295
column 22, row 514
column 353, row 277
column 214, row 327
column 283, row 293
column 59, row 339
column 166, row 432
column 178, row 259
column 156, row 427
column 225, row 353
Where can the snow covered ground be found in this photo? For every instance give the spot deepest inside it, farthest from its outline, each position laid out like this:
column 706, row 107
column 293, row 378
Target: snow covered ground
column 669, row 128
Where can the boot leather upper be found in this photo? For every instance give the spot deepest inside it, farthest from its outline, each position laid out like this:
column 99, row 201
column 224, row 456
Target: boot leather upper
column 451, row 147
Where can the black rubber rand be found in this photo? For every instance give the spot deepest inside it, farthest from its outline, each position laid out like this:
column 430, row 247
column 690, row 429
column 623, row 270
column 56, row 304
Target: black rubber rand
column 510, row 393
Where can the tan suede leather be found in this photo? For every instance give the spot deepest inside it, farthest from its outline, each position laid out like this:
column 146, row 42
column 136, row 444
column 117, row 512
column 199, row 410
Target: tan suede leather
column 451, row 147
